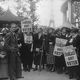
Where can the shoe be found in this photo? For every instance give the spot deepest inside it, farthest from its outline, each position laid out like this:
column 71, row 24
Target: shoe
column 35, row 69
column 20, row 77
column 78, row 78
column 25, row 70
column 49, row 68
column 70, row 77
column 28, row 70
column 66, row 72
column 13, row 78
column 53, row 70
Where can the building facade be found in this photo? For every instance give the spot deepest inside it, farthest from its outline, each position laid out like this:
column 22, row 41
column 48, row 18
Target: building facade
column 75, row 12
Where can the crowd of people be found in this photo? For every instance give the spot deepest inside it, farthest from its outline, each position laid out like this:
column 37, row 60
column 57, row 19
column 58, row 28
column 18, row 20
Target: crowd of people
column 36, row 48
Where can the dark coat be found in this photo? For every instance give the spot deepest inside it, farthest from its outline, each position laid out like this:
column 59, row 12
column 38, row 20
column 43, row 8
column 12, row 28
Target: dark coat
column 50, row 48
column 25, row 51
column 51, row 38
column 11, row 48
column 76, row 43
column 60, row 60
column 37, row 43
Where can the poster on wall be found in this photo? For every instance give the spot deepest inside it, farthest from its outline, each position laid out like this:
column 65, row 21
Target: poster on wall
column 70, row 56
column 26, row 25
column 58, row 49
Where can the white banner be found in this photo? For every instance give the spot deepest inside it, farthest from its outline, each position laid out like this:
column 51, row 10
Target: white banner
column 28, row 39
column 58, row 49
column 70, row 56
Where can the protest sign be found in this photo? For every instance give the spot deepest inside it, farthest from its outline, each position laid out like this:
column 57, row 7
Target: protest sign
column 58, row 49
column 28, row 39
column 70, row 56
column 26, row 25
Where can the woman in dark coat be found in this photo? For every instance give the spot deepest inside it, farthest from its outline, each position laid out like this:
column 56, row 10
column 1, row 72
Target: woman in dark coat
column 50, row 49
column 74, row 71
column 25, row 50
column 59, row 60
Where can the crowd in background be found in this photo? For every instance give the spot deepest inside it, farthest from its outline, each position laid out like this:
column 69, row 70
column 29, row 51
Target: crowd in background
column 38, row 51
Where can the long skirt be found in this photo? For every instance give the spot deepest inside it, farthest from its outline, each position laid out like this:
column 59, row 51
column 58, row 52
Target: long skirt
column 14, row 65
column 60, row 61
column 50, row 59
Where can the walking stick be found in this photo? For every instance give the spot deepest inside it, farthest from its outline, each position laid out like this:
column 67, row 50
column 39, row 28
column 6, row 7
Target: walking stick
column 41, row 52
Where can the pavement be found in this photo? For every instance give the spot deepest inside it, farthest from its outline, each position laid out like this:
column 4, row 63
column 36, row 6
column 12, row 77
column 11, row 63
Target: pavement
column 44, row 75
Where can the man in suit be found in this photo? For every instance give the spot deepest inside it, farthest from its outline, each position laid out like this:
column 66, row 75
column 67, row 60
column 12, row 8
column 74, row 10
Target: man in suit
column 11, row 47
column 37, row 45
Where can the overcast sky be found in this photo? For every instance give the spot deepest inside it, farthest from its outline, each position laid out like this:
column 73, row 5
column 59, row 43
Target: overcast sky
column 47, row 8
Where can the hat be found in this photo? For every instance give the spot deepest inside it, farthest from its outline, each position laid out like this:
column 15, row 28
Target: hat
column 75, row 30
column 1, row 33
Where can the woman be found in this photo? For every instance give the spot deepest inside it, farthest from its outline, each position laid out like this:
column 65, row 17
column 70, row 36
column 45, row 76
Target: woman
column 50, row 48
column 75, row 41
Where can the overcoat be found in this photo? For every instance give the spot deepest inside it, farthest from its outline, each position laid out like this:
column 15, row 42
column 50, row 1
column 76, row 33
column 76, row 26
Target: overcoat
column 37, row 43
column 14, row 63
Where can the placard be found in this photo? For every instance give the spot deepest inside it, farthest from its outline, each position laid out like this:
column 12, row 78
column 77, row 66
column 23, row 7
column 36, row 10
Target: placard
column 58, row 49
column 28, row 39
column 70, row 56
column 61, row 42
column 26, row 25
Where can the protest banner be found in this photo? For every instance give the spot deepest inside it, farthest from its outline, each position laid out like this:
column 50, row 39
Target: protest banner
column 26, row 25
column 70, row 56
column 58, row 49
column 28, row 39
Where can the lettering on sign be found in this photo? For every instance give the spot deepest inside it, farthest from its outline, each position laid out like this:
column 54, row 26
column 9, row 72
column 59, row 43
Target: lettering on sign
column 69, row 53
column 26, row 25
column 72, row 63
column 58, row 49
column 70, row 56
column 28, row 39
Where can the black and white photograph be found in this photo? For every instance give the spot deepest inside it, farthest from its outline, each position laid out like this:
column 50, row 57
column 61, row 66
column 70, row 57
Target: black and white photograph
column 39, row 39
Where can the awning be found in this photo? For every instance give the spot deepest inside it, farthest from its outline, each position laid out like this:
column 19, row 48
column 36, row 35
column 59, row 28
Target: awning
column 8, row 16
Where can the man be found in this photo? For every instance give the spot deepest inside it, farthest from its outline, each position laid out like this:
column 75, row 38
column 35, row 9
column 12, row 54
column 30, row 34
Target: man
column 37, row 45
column 11, row 47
